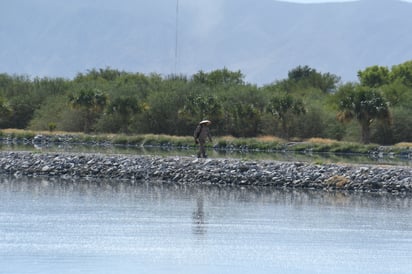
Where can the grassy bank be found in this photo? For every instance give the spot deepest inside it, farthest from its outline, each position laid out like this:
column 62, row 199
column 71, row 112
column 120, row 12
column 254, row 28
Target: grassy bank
column 264, row 143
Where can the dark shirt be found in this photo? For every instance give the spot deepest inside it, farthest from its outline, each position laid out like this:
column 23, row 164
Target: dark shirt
column 202, row 133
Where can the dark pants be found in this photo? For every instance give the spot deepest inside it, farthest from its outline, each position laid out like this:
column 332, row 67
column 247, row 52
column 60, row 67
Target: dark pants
column 202, row 150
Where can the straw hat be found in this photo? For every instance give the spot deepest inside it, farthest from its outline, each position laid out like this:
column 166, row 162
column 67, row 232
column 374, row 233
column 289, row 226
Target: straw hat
column 205, row 122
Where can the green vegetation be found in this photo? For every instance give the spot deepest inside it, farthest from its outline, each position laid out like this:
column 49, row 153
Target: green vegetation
column 133, row 106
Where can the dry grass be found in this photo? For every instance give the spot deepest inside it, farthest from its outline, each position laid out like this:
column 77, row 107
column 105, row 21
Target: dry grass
column 321, row 141
column 227, row 138
column 403, row 145
column 263, row 139
column 45, row 132
column 13, row 130
column 269, row 139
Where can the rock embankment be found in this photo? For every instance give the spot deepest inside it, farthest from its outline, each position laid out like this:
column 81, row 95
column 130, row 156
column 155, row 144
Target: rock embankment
column 186, row 170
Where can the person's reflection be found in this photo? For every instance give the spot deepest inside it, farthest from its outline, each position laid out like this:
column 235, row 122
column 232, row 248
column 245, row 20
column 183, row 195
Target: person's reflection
column 199, row 227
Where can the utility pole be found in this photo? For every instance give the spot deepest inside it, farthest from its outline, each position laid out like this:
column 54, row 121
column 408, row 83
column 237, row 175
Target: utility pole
column 176, row 36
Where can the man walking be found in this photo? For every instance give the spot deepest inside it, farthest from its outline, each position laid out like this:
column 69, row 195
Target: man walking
column 201, row 134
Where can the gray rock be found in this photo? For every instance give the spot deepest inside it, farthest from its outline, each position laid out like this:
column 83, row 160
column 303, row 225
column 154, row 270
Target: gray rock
column 186, row 170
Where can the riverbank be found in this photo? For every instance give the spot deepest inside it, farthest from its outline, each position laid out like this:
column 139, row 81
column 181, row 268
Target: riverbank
column 186, row 170
column 268, row 144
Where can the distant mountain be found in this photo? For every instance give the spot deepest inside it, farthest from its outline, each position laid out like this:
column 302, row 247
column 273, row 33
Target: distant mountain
column 264, row 39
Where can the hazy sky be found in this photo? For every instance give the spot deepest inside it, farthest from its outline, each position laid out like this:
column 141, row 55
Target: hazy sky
column 316, row 1
column 326, row 1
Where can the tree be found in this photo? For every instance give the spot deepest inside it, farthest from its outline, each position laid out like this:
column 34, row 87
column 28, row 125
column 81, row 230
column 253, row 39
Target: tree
column 283, row 108
column 402, row 73
column 402, row 125
column 107, row 74
column 125, row 107
column 5, row 109
column 374, row 76
column 363, row 104
column 307, row 77
column 301, row 73
column 200, row 107
column 91, row 101
column 219, row 77
column 397, row 94
column 243, row 120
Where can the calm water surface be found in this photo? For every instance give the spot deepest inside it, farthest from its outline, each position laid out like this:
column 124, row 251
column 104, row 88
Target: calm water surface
column 279, row 156
column 116, row 227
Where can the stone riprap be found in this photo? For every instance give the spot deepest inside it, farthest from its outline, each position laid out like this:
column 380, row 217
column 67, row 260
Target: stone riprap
column 187, row 170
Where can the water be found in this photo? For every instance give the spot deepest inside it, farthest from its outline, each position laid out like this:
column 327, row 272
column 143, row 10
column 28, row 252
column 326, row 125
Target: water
column 248, row 155
column 50, row 226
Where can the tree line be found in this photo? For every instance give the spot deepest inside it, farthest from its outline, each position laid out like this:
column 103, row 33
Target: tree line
column 306, row 104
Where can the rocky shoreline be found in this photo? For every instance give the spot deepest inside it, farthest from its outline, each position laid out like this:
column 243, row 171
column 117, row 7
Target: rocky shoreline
column 396, row 180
